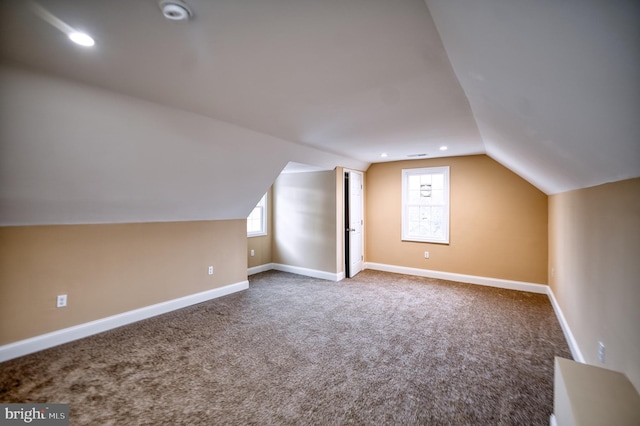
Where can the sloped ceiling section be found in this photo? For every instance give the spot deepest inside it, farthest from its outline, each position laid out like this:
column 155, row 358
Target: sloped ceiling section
column 354, row 77
column 553, row 85
column 168, row 121
column 72, row 153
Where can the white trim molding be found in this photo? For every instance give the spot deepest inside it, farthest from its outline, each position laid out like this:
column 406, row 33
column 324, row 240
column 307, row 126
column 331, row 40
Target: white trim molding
column 313, row 273
column 571, row 341
column 49, row 340
column 260, row 268
column 469, row 279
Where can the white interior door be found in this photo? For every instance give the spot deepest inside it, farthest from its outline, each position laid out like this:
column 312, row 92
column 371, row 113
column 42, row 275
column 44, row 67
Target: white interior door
column 356, row 223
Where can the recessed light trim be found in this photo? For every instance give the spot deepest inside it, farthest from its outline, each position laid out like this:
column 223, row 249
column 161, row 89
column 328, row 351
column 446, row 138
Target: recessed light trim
column 175, row 10
column 384, row 155
column 82, row 39
column 443, row 148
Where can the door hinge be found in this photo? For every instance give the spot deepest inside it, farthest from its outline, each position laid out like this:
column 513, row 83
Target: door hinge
column 361, row 222
column 361, row 257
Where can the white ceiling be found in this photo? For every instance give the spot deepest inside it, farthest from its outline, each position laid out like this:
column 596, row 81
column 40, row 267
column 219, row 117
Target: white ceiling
column 355, row 77
column 554, row 85
column 73, row 153
column 549, row 89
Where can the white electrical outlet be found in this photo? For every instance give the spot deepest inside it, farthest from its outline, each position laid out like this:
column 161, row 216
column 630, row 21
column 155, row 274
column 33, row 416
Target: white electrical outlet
column 61, row 301
column 253, row 252
column 426, row 254
column 601, row 352
column 210, row 270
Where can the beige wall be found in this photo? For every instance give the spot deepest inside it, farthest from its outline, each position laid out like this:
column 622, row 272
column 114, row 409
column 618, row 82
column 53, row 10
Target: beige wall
column 109, row 269
column 262, row 245
column 304, row 211
column 594, row 264
column 498, row 221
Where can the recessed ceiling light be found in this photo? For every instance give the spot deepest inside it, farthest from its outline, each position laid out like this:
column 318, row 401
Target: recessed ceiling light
column 175, row 10
column 76, row 36
column 384, row 154
column 443, row 148
column 82, row 39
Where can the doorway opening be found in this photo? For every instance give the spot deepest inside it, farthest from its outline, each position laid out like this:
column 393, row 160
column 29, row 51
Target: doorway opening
column 354, row 223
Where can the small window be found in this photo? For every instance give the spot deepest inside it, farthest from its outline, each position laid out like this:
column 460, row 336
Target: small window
column 425, row 205
column 257, row 220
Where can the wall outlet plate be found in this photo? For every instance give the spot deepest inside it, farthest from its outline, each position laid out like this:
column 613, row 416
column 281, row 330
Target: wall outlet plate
column 61, row 301
column 210, row 270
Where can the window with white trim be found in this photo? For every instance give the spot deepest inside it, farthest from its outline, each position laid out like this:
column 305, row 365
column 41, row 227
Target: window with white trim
column 257, row 220
column 425, row 205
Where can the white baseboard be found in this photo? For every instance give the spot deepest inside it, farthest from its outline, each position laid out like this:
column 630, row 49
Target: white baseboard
column 469, row 279
column 571, row 341
column 49, row 340
column 260, row 268
column 313, row 273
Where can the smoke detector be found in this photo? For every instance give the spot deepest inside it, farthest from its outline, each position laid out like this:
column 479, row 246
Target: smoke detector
column 176, row 10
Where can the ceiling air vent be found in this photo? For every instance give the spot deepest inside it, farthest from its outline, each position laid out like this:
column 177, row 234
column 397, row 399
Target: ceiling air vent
column 416, row 155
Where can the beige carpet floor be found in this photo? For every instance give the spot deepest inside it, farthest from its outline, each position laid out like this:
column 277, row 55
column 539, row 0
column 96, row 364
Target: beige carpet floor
column 379, row 349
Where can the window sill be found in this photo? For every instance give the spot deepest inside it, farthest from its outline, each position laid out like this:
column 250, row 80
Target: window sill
column 417, row 240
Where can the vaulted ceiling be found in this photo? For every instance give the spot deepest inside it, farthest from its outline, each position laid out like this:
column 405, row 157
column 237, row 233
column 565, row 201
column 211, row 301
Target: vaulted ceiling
column 549, row 89
column 554, row 85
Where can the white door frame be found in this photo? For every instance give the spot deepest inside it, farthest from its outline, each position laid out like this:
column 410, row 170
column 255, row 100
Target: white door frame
column 354, row 224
